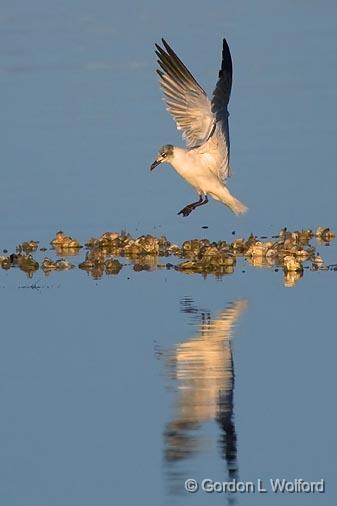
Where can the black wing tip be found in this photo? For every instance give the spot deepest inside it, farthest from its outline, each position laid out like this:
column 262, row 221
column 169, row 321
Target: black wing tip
column 225, row 49
column 225, row 46
column 165, row 44
column 226, row 64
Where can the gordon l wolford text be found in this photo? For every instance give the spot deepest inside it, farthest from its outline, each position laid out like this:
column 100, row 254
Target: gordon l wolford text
column 277, row 485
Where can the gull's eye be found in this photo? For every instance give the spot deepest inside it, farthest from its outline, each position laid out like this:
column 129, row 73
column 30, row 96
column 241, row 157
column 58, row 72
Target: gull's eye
column 163, row 155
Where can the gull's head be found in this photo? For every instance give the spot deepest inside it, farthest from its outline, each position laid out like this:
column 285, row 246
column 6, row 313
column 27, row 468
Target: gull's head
column 165, row 155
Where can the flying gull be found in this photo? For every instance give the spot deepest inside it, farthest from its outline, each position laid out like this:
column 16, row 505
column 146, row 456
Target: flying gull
column 204, row 163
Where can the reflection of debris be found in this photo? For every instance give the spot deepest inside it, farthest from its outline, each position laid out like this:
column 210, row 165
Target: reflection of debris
column 112, row 266
column 218, row 265
column 317, row 262
column 96, row 264
column 293, row 270
column 291, row 264
column 291, row 277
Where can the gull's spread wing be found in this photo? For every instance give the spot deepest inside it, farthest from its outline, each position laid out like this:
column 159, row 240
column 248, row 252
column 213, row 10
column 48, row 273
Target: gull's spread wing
column 186, row 101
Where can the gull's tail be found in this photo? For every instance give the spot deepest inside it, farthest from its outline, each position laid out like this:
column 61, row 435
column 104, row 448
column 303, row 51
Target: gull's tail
column 234, row 204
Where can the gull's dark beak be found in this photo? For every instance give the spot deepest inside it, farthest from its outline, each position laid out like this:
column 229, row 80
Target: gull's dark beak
column 156, row 163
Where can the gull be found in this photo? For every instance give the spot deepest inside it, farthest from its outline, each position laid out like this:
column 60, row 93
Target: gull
column 204, row 164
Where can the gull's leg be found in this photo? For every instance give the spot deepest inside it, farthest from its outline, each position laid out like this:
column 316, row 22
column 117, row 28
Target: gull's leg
column 190, row 207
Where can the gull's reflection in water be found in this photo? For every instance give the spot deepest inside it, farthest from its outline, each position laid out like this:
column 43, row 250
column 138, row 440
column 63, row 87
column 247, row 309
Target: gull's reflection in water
column 204, row 370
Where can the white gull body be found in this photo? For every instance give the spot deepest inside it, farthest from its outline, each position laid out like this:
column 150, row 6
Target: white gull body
column 204, row 123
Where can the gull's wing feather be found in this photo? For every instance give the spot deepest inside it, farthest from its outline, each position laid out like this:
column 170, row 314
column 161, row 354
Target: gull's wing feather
column 223, row 87
column 222, row 91
column 186, row 101
column 220, row 101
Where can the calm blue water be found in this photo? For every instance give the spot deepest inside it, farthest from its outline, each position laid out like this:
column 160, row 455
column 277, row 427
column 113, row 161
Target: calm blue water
column 117, row 390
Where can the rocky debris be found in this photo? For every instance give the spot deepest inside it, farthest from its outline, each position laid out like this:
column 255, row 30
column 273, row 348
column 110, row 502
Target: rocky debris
column 324, row 234
column 49, row 265
column 24, row 262
column 287, row 250
column 27, row 246
column 62, row 242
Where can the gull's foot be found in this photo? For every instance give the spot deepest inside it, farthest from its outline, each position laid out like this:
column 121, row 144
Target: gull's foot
column 186, row 211
column 190, row 207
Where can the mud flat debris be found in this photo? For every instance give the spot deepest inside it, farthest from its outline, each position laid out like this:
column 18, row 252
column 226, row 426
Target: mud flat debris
column 207, row 257
column 125, row 245
column 104, row 255
column 289, row 251
column 27, row 246
column 65, row 245
column 61, row 264
column 289, row 244
column 24, row 262
column 324, row 234
column 108, row 239
column 290, row 278
column 5, row 262
column 260, row 249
